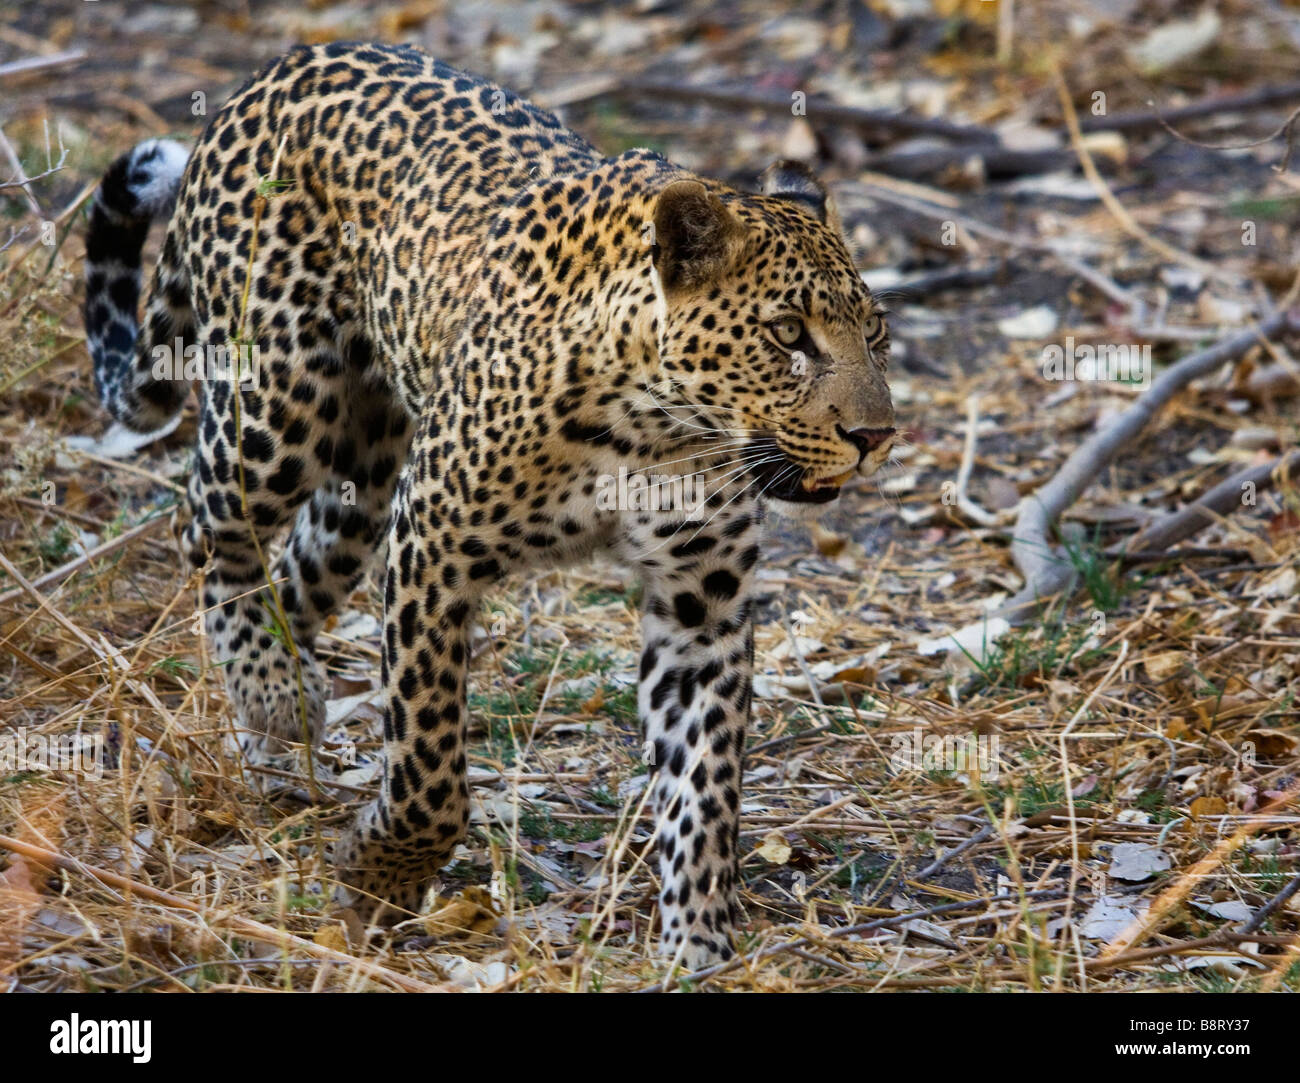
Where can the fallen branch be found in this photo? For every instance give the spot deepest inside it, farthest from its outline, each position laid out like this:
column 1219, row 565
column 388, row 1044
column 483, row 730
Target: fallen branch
column 1228, row 103
column 965, row 504
column 62, row 572
column 874, row 121
column 1201, row 513
column 1046, row 572
column 923, row 286
column 996, row 162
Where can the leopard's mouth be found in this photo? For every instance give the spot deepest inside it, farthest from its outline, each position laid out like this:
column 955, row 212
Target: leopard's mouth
column 813, row 484
column 786, row 480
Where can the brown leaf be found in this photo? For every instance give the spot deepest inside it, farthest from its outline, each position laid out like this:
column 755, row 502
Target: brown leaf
column 863, row 675
column 1271, row 744
column 1207, row 806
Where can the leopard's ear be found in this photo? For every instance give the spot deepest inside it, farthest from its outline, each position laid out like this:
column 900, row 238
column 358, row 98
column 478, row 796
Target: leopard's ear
column 696, row 238
column 788, row 179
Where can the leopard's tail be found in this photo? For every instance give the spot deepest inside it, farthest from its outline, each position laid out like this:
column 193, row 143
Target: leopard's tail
column 139, row 186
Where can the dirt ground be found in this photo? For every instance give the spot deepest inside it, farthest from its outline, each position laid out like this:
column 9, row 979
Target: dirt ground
column 1104, row 798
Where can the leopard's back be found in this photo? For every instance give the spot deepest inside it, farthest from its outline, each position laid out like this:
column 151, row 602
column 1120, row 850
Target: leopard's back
column 373, row 173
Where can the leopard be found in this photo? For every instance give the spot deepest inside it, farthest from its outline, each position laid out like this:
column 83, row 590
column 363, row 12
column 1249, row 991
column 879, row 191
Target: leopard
column 466, row 321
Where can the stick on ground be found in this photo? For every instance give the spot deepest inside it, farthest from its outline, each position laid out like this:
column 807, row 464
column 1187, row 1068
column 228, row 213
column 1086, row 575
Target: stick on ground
column 1047, row 572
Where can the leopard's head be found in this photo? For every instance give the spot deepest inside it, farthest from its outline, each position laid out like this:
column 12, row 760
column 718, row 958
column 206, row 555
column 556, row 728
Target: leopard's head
column 768, row 336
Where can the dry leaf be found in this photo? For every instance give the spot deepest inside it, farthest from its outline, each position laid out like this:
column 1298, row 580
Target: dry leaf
column 1271, row 744
column 347, row 685
column 775, row 850
column 863, row 675
column 1207, row 806
column 1163, row 664
column 332, row 937
column 1135, row 861
column 1107, row 918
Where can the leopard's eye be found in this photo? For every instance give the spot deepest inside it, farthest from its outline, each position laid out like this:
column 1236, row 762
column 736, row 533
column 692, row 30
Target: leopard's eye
column 871, row 329
column 787, row 331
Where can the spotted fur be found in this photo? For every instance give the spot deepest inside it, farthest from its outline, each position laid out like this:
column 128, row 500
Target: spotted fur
column 467, row 319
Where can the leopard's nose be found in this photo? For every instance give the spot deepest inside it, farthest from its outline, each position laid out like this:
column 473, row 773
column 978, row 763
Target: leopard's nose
column 870, row 439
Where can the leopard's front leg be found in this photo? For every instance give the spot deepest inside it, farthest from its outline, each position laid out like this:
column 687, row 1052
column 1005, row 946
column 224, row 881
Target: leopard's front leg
column 402, row 838
column 694, row 698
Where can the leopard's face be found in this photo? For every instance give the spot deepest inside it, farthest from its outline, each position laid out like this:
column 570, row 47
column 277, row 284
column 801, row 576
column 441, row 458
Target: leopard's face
column 769, row 337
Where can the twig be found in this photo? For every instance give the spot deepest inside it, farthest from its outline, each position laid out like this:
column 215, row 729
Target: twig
column 1107, row 197
column 1168, row 900
column 21, row 181
column 801, row 660
column 108, row 657
column 1046, row 572
column 965, row 504
column 39, row 63
column 26, row 586
column 103, row 549
column 1103, row 284
column 998, row 163
column 921, row 287
column 1076, row 864
column 938, row 863
column 1222, row 939
column 928, row 205
column 777, row 742
column 1229, row 103
column 1262, row 914
column 70, row 209
column 1285, row 129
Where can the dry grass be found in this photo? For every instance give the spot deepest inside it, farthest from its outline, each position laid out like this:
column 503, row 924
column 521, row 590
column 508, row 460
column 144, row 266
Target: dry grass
column 173, row 870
